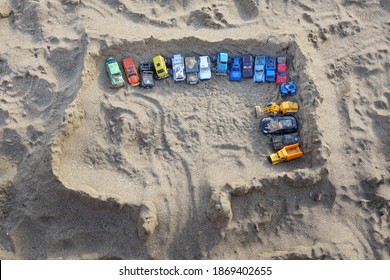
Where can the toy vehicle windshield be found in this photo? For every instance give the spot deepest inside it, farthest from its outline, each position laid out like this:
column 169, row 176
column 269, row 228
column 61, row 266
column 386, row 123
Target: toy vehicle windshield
column 132, row 75
column 282, row 74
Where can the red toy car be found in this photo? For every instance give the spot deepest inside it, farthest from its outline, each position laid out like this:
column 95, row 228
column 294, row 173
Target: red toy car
column 281, row 70
column 131, row 71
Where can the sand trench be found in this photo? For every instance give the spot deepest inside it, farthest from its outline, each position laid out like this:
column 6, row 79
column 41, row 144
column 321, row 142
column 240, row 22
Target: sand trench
column 176, row 144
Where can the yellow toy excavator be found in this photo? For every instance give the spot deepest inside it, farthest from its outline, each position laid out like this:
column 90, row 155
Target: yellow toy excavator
column 288, row 153
column 286, row 107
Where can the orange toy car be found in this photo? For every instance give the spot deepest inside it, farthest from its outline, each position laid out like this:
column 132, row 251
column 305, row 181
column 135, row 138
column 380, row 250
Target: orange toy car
column 131, row 71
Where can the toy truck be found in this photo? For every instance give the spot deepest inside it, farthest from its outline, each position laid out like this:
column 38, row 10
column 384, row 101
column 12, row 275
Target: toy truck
column 270, row 69
column 222, row 63
column 160, row 67
column 178, row 68
column 192, row 70
column 287, row 153
column 272, row 108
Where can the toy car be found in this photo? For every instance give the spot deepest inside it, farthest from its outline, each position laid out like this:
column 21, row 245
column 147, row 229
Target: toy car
column 160, row 67
column 205, row 70
column 114, row 73
column 288, row 88
column 281, row 70
column 270, row 68
column 192, row 69
column 288, row 153
column 178, row 68
column 235, row 69
column 146, row 73
column 222, row 63
column 247, row 66
column 279, row 125
column 279, row 141
column 259, row 73
column 131, row 72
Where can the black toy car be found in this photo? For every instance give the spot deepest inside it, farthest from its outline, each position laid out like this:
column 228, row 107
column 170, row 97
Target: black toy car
column 279, row 125
column 146, row 73
column 279, row 141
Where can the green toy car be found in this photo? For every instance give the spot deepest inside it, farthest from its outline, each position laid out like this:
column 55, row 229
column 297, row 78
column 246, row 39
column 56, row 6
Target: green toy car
column 114, row 73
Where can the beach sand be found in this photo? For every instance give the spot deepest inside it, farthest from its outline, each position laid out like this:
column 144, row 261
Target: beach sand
column 181, row 171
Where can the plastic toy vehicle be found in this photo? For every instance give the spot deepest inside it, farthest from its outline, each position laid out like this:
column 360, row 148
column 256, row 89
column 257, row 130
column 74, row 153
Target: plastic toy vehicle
column 259, row 73
column 247, row 66
column 288, row 88
column 146, row 73
column 286, row 107
column 205, row 70
column 131, row 72
column 235, row 69
column 178, row 68
column 114, row 73
column 279, row 125
column 281, row 70
column 288, row 153
column 160, row 67
column 192, row 70
column 279, row 141
column 270, row 68
column 222, row 63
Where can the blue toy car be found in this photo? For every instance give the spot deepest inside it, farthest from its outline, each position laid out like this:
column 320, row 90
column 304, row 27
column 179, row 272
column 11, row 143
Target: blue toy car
column 259, row 75
column 236, row 69
column 270, row 69
column 279, row 125
column 288, row 88
column 222, row 63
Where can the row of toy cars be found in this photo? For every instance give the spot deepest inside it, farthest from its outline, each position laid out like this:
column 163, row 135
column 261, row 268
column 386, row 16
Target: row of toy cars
column 193, row 68
column 282, row 126
column 259, row 68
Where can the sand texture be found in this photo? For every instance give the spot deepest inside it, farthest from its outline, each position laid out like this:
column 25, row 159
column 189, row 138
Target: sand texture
column 180, row 171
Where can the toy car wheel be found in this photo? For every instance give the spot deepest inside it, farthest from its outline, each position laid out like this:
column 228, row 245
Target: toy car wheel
column 268, row 104
column 213, row 58
column 168, row 62
column 170, row 72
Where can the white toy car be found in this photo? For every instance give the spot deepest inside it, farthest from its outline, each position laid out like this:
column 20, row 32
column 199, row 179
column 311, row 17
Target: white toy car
column 178, row 68
column 205, row 69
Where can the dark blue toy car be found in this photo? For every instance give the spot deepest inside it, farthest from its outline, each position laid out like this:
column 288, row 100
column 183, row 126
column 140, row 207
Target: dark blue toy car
column 288, row 88
column 270, row 69
column 236, row 69
column 259, row 75
column 247, row 66
column 279, row 125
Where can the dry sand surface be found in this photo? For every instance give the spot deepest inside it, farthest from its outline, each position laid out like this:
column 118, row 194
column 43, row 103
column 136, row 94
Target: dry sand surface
column 181, row 171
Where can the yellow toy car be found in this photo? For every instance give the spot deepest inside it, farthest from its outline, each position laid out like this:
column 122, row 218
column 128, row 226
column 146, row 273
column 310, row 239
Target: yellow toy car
column 288, row 153
column 160, row 67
